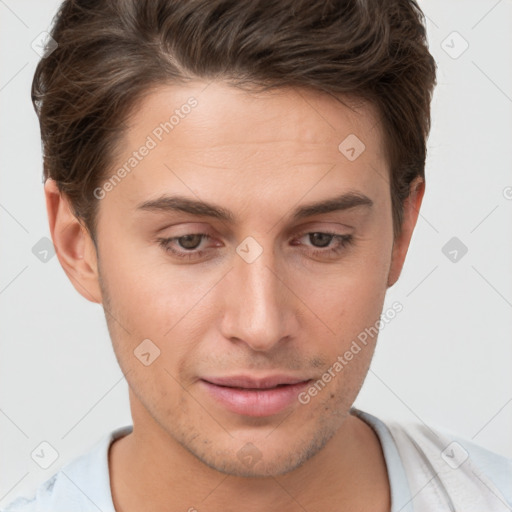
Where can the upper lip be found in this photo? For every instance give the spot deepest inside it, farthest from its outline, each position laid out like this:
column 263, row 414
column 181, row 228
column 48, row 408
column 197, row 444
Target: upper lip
column 245, row 381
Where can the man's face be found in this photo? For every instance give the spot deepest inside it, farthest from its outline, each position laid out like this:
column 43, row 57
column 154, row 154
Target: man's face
column 263, row 292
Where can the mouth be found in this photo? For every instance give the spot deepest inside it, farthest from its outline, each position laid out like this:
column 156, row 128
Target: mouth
column 248, row 396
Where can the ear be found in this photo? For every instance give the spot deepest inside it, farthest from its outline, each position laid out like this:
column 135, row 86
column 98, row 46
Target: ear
column 412, row 206
column 73, row 244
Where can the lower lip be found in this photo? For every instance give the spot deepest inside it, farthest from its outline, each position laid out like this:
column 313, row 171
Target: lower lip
column 262, row 402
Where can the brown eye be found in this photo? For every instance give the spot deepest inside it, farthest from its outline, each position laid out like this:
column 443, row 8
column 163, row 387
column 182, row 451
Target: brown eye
column 190, row 241
column 323, row 239
column 320, row 244
column 185, row 246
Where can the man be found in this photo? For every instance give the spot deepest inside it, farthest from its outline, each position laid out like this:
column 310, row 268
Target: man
column 237, row 183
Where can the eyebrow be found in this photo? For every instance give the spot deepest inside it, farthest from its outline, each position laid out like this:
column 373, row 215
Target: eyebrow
column 200, row 208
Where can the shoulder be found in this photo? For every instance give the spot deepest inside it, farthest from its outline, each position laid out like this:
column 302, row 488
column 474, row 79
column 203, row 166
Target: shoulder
column 81, row 485
column 38, row 501
column 443, row 468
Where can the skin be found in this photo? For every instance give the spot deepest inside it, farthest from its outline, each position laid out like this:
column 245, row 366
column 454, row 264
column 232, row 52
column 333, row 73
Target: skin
column 290, row 311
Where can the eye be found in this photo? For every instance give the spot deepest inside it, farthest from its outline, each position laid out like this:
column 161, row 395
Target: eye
column 320, row 239
column 188, row 244
column 190, row 241
column 324, row 239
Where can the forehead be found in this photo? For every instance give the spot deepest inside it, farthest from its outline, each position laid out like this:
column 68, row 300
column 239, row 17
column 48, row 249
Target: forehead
column 214, row 137
column 225, row 115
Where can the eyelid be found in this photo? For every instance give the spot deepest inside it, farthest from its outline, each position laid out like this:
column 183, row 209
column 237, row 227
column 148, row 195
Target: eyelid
column 320, row 225
column 213, row 234
column 188, row 228
column 213, row 230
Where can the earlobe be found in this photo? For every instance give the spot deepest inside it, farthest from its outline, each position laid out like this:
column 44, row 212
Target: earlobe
column 73, row 244
column 412, row 206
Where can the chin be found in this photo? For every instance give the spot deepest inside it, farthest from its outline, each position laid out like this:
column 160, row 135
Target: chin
column 263, row 458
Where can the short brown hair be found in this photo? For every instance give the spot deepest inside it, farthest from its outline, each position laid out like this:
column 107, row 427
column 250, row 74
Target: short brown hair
column 111, row 53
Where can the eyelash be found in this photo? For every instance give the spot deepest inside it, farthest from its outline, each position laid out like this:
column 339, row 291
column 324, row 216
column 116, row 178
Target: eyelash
column 343, row 242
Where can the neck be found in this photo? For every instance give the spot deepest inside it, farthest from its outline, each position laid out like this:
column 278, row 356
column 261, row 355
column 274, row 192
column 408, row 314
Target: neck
column 349, row 473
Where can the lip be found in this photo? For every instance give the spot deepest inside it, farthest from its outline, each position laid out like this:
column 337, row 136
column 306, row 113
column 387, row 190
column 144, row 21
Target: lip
column 245, row 381
column 249, row 396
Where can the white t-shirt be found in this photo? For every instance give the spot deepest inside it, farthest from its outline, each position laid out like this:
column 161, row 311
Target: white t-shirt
column 429, row 471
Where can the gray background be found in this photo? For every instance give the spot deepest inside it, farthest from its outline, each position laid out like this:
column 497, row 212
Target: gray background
column 444, row 360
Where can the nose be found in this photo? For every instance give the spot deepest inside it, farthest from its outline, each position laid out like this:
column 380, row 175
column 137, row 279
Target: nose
column 258, row 303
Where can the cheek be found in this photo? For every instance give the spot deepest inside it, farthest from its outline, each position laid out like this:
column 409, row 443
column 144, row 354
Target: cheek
column 351, row 295
column 157, row 302
column 351, row 310
column 147, row 291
